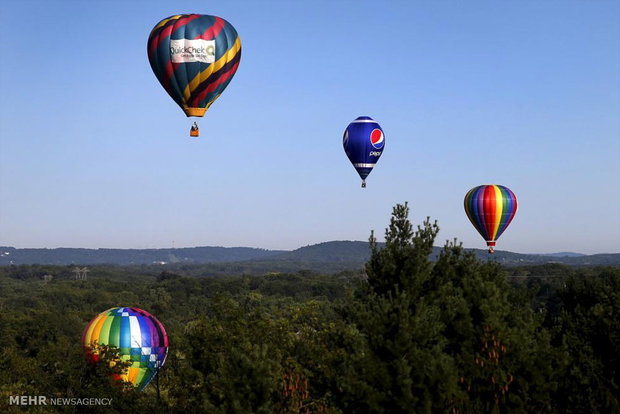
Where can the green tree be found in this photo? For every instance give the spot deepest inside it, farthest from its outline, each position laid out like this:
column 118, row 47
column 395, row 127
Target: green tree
column 439, row 336
column 587, row 327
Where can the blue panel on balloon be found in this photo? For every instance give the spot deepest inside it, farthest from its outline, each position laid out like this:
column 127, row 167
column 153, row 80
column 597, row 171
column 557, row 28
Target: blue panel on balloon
column 363, row 142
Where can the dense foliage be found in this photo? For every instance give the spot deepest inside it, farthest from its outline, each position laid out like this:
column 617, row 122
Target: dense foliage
column 456, row 335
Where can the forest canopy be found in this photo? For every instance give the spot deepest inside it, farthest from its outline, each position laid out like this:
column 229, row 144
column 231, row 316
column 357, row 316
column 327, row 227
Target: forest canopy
column 406, row 335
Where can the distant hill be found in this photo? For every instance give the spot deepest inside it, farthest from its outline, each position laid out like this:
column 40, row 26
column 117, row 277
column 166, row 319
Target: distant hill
column 66, row 256
column 333, row 251
column 563, row 254
column 357, row 253
column 328, row 257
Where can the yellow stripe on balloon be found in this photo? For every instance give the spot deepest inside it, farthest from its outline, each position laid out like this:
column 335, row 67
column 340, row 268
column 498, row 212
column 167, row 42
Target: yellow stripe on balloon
column 163, row 22
column 98, row 331
column 92, row 334
column 214, row 67
column 499, row 207
column 132, row 374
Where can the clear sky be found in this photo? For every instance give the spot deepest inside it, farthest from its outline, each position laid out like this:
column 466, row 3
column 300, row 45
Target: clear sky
column 93, row 152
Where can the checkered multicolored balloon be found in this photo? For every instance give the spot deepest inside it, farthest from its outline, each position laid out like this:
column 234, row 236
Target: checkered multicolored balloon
column 140, row 337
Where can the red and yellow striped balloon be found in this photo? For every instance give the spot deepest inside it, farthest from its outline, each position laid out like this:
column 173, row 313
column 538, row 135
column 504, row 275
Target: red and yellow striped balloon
column 490, row 209
column 194, row 57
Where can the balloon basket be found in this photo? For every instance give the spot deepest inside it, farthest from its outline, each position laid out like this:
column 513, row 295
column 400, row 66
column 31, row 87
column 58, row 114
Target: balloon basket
column 363, row 184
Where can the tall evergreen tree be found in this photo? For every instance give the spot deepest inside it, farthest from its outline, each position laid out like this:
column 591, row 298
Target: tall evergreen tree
column 404, row 261
column 440, row 336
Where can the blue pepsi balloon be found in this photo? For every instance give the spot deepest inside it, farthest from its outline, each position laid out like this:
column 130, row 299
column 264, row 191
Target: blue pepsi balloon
column 363, row 141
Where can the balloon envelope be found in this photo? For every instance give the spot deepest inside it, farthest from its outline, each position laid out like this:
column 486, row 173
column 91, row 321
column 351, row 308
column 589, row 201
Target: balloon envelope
column 194, row 57
column 363, row 142
column 141, row 338
column 490, row 208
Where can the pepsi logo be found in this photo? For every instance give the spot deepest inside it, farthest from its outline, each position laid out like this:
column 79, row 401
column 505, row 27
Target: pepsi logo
column 376, row 138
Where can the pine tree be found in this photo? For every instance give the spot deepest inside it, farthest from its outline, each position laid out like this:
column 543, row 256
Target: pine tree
column 440, row 336
column 403, row 264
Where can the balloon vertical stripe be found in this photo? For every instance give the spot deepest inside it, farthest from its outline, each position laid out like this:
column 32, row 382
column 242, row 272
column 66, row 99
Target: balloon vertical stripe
column 495, row 215
column 510, row 206
column 479, row 201
column 490, row 208
column 146, row 332
column 125, row 333
column 114, row 336
column 498, row 210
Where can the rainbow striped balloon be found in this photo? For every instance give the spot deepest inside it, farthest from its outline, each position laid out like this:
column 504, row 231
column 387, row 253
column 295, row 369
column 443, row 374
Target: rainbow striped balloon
column 140, row 337
column 194, row 57
column 490, row 209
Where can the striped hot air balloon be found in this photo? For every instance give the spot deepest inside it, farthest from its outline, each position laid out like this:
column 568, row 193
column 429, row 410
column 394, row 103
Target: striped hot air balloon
column 194, row 57
column 490, row 209
column 141, row 338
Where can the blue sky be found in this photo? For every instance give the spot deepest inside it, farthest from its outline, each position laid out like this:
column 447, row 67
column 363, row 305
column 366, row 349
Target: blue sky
column 93, row 152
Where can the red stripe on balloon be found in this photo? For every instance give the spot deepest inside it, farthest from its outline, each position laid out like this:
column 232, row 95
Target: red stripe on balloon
column 167, row 30
column 214, row 85
column 213, row 31
column 489, row 209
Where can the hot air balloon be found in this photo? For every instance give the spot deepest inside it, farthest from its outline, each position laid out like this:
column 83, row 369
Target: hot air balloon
column 194, row 57
column 490, row 208
column 141, row 338
column 363, row 141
